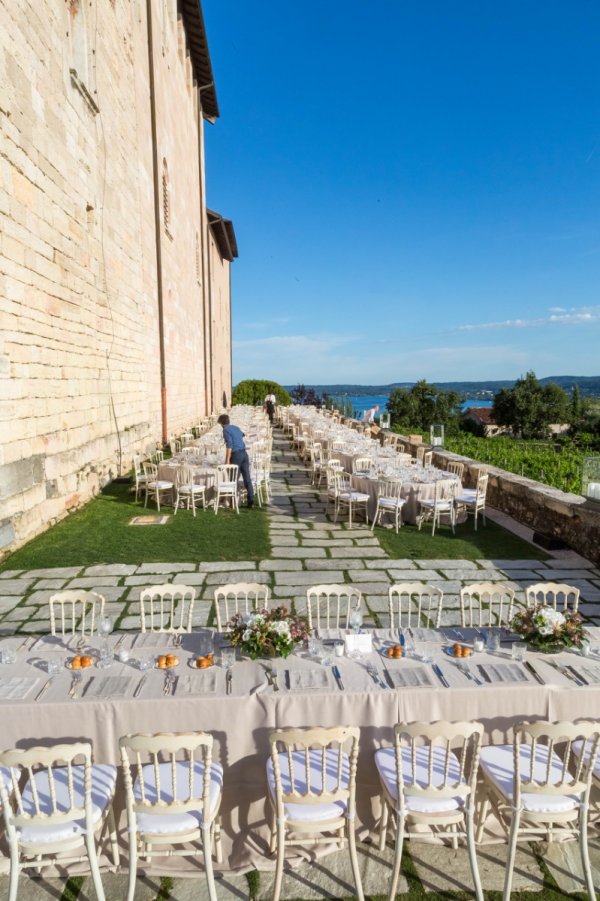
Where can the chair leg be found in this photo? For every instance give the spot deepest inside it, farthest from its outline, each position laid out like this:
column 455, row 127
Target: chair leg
column 473, row 854
column 383, row 824
column 280, row 859
column 132, row 866
column 217, row 840
column 14, row 871
column 585, row 851
column 208, row 863
column 483, row 812
column 512, row 851
column 90, row 844
column 397, row 856
column 354, row 860
column 114, row 840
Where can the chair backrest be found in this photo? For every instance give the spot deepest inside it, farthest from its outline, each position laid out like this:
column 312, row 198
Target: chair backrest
column 486, row 604
column 420, row 454
column 437, row 760
column 228, row 473
column 390, row 488
column 150, row 471
column 534, row 745
column 158, row 456
column 330, row 606
column 167, row 608
column 171, row 772
column 548, row 594
column 482, row 486
column 56, row 777
column 334, row 463
column 363, row 464
column 428, row 458
column 315, row 766
column 137, row 465
column 76, row 611
column 415, row 599
column 455, row 468
column 239, row 597
column 184, row 475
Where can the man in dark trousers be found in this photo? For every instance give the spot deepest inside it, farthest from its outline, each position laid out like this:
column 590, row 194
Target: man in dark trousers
column 237, row 453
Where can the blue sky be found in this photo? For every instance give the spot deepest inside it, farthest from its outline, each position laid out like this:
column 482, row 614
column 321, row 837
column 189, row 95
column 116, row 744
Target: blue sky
column 415, row 187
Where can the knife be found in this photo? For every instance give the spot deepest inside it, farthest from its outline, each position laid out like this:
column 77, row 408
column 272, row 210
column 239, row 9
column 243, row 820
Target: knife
column 388, row 677
column 440, row 675
column 402, row 638
column 119, row 642
column 565, row 672
column 43, row 690
column 577, row 674
column 139, row 686
column 174, row 684
column 338, row 677
column 228, row 680
column 529, row 666
column 484, row 672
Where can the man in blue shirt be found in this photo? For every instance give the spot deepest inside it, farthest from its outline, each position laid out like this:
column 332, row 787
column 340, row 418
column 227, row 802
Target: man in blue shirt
column 236, row 453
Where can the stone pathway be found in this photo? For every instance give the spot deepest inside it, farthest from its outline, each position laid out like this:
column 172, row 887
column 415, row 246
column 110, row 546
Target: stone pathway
column 307, row 549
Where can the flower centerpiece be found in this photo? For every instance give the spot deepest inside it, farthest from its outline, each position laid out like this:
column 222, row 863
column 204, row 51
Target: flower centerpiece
column 267, row 633
column 548, row 630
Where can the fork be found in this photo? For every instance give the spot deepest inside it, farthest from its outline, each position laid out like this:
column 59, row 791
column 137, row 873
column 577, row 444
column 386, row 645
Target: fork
column 75, row 685
column 167, row 685
column 467, row 672
column 375, row 676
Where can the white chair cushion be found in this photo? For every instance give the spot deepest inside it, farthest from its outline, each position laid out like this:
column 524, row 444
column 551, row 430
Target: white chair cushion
column 577, row 746
column 227, row 486
column 497, row 764
column 104, row 778
column 161, row 823
column 356, row 497
column 385, row 761
column 160, row 485
column 313, row 811
column 436, row 505
column 391, row 502
column 467, row 496
column 191, row 489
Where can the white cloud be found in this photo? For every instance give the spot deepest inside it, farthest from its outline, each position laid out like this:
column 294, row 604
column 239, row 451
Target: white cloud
column 559, row 316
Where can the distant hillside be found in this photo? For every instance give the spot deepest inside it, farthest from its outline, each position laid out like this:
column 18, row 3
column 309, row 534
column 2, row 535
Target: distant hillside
column 588, row 385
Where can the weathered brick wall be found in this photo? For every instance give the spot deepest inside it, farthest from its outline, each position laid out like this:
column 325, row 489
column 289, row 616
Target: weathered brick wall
column 79, row 340
column 220, row 325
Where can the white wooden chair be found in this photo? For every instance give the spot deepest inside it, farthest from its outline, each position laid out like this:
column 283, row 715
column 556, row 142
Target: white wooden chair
column 408, row 600
column 167, row 608
column 473, row 499
column 188, row 492
column 311, row 777
column 74, row 612
column 363, row 466
column 138, row 475
column 227, row 486
column 317, row 463
column 486, row 604
column 156, row 487
column 60, row 800
column 441, row 504
column 429, row 778
column 389, row 500
column 455, row 468
column 330, row 606
column 548, row 594
column 420, row 453
column 539, row 788
column 333, row 468
column 428, row 458
column 349, row 498
column 173, row 793
column 239, row 597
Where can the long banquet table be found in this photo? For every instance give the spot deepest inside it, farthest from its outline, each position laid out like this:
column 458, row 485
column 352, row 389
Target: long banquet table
column 241, row 722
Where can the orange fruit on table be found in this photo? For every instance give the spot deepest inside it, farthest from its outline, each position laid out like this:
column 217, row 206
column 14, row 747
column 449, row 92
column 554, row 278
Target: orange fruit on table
column 76, row 662
column 86, row 661
column 390, row 652
column 397, row 652
column 203, row 662
column 161, row 662
column 466, row 652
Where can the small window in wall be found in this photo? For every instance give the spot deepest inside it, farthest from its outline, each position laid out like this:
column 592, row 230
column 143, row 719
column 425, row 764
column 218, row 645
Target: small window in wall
column 82, row 67
column 166, row 199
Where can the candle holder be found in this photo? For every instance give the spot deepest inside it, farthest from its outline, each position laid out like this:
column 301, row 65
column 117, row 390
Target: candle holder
column 590, row 479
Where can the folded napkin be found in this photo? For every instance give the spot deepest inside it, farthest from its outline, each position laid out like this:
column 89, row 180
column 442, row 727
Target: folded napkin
column 16, row 688
column 409, row 678
column 306, row 679
column 202, row 683
column 502, row 672
column 110, row 687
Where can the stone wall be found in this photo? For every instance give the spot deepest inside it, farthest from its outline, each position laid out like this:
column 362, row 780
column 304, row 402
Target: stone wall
column 80, row 373
column 570, row 518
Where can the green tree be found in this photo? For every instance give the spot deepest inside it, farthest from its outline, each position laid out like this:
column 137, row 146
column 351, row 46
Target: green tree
column 529, row 408
column 422, row 405
column 254, row 391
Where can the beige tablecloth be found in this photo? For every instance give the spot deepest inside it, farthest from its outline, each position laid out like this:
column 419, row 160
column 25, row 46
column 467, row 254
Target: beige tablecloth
column 241, row 722
column 203, row 475
column 411, row 492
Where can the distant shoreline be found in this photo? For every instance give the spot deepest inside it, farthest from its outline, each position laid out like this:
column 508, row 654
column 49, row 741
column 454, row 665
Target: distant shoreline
column 589, row 386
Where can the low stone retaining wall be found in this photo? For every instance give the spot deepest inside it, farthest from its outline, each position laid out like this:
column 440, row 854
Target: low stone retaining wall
column 567, row 517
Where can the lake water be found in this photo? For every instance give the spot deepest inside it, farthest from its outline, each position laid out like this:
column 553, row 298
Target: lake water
column 367, row 401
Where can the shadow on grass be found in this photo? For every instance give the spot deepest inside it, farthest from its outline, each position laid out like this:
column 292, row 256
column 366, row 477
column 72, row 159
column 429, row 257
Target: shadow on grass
column 490, row 542
column 100, row 533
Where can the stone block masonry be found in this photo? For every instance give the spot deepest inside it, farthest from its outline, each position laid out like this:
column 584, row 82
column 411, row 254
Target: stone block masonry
column 80, row 245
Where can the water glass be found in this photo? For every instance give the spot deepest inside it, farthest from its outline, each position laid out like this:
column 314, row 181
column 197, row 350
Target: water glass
column 339, row 647
column 314, row 647
column 145, row 663
column 478, row 645
column 355, row 621
column 205, row 643
column 227, row 656
column 493, row 642
column 8, row 655
column 519, row 651
column 53, row 666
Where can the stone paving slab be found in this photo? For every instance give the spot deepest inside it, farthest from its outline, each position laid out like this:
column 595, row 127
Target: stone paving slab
column 225, row 565
column 443, row 869
column 55, row 584
column 58, row 572
column 311, row 577
column 166, row 567
column 12, row 573
column 561, row 563
column 149, row 579
column 111, row 569
column 410, row 575
column 191, row 578
column 338, row 563
column 361, row 553
column 300, row 553
column 280, row 565
column 96, row 582
column 15, row 586
column 238, row 575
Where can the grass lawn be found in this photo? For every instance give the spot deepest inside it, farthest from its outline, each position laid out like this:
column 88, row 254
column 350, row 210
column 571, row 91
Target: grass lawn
column 490, row 542
column 99, row 533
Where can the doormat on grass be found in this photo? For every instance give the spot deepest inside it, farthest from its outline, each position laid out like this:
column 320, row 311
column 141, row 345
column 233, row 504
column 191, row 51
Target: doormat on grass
column 149, row 520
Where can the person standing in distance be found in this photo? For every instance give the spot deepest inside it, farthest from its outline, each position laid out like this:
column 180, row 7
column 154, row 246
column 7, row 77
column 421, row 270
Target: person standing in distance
column 236, row 453
column 269, row 406
column 369, row 415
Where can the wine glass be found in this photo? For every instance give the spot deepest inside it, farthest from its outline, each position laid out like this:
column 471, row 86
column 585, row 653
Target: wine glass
column 355, row 621
column 105, row 626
